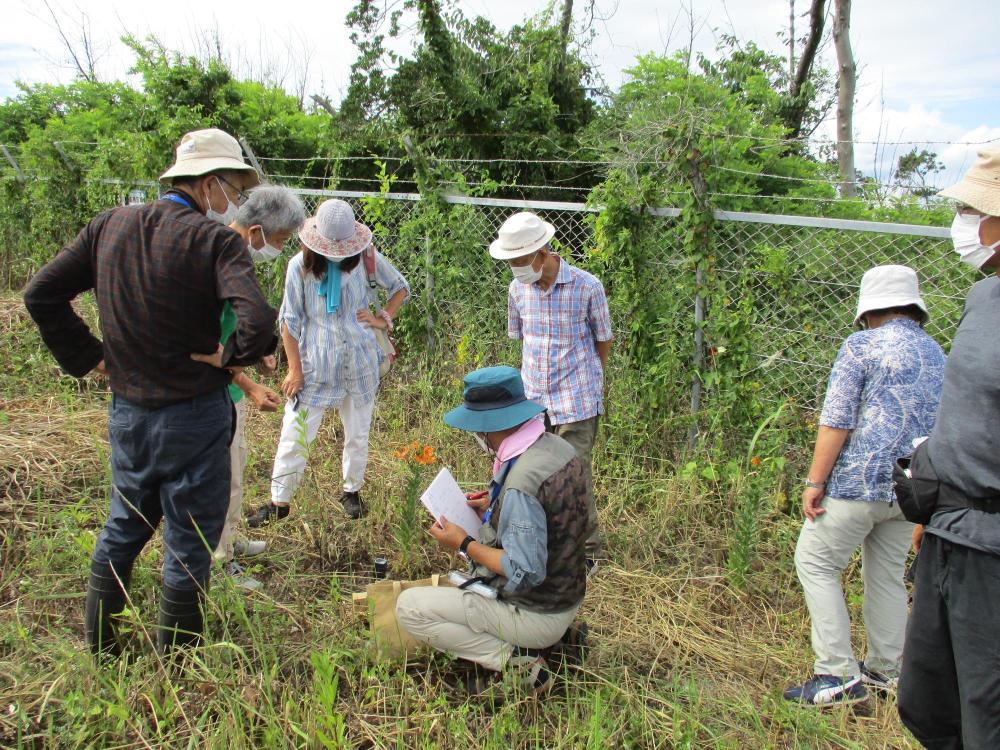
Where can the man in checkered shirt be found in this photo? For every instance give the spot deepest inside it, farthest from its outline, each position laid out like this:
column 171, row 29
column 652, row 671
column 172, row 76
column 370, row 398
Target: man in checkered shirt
column 560, row 314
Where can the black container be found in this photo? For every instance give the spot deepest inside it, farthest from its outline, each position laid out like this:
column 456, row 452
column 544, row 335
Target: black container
column 381, row 567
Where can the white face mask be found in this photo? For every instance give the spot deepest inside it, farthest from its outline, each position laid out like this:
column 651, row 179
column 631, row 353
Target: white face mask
column 481, row 439
column 965, row 237
column 526, row 274
column 229, row 216
column 264, row 254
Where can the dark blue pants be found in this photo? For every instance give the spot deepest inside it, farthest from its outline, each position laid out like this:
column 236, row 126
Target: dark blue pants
column 170, row 463
column 949, row 682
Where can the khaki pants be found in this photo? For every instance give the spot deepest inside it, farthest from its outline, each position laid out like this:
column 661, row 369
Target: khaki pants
column 237, row 462
column 475, row 628
column 825, row 547
column 581, row 435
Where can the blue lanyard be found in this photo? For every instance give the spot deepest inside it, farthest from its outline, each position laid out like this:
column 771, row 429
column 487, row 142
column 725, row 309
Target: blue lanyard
column 177, row 198
column 495, row 490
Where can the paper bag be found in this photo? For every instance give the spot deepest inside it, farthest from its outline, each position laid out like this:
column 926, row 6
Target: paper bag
column 391, row 640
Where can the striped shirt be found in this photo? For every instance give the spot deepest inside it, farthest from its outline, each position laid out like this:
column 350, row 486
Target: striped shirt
column 339, row 354
column 559, row 328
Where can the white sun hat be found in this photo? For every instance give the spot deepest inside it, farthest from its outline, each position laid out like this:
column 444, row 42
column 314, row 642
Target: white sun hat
column 204, row 151
column 334, row 232
column 889, row 286
column 522, row 234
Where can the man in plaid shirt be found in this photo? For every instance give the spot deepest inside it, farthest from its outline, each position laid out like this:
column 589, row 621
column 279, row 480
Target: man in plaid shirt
column 560, row 313
column 161, row 274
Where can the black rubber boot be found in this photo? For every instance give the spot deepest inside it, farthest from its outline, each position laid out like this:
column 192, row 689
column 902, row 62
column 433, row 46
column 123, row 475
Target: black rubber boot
column 181, row 622
column 105, row 598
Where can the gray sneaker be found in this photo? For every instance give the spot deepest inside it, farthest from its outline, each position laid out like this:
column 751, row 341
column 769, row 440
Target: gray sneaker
column 247, row 548
column 240, row 578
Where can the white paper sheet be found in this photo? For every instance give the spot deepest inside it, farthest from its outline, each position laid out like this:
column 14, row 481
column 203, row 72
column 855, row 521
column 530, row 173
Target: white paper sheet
column 444, row 498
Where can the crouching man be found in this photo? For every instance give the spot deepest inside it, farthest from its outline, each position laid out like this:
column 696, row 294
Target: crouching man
column 535, row 525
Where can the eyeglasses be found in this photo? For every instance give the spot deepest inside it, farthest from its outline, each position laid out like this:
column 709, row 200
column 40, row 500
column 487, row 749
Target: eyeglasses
column 241, row 196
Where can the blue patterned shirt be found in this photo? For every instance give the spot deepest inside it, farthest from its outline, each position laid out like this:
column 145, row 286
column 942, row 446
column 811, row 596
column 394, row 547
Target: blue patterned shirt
column 339, row 354
column 884, row 388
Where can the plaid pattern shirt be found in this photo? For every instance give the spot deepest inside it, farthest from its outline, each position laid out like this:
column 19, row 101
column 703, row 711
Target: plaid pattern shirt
column 559, row 329
column 160, row 273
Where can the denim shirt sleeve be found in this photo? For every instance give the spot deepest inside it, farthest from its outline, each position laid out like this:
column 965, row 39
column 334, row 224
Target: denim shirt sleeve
column 388, row 278
column 847, row 382
column 523, row 535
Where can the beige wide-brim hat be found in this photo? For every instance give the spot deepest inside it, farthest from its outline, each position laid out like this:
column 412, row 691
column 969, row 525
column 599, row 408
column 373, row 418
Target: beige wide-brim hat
column 889, row 286
column 333, row 231
column 204, row 151
column 980, row 187
column 522, row 234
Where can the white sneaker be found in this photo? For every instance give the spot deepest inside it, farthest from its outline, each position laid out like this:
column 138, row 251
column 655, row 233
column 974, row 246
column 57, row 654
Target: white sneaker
column 240, row 578
column 247, row 548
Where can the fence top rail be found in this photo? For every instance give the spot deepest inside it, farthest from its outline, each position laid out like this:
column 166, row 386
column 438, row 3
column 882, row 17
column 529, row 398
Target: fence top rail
column 815, row 222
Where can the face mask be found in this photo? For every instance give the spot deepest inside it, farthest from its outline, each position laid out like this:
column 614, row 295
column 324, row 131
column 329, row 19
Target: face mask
column 526, row 274
column 965, row 237
column 264, row 254
column 229, row 216
column 481, row 439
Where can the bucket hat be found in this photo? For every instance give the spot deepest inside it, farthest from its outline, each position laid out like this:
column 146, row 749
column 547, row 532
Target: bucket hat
column 889, row 286
column 333, row 232
column 492, row 400
column 204, row 151
column 980, row 187
column 522, row 234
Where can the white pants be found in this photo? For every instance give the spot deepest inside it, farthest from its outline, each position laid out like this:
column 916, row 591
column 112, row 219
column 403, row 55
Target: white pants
column 298, row 431
column 475, row 628
column 825, row 548
column 237, row 461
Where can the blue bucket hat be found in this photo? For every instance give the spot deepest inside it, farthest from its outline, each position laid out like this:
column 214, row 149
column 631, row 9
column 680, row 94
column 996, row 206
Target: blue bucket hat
column 493, row 400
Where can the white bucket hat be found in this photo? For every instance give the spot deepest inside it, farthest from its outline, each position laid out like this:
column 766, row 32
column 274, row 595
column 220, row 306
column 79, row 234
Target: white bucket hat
column 333, row 231
column 980, row 187
column 204, row 151
column 522, row 234
column 889, row 286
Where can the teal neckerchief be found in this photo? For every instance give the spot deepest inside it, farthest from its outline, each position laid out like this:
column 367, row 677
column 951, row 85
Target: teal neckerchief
column 329, row 287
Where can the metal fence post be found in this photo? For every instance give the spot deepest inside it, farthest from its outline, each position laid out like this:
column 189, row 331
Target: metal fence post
column 429, row 292
column 699, row 358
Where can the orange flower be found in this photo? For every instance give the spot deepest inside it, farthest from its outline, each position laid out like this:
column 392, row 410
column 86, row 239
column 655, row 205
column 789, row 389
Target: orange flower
column 426, row 456
column 755, row 461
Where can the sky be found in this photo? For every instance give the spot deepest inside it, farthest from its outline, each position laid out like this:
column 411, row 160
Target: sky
column 928, row 73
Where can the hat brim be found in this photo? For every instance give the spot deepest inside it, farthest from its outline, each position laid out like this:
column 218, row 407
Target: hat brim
column 310, row 237
column 978, row 194
column 889, row 300
column 498, row 251
column 492, row 420
column 200, row 167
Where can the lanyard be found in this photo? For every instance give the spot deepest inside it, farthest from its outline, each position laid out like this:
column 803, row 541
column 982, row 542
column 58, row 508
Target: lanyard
column 178, row 198
column 495, row 490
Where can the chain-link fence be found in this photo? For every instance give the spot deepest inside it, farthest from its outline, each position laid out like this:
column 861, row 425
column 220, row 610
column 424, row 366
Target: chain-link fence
column 802, row 274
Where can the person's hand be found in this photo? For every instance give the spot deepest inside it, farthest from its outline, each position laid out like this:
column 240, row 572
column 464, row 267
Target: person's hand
column 811, row 498
column 264, row 398
column 215, row 359
column 478, row 501
column 267, row 365
column 918, row 536
column 100, row 369
column 293, row 383
column 449, row 535
column 372, row 321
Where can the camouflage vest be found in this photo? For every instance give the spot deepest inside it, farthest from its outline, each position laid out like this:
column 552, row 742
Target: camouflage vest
column 551, row 472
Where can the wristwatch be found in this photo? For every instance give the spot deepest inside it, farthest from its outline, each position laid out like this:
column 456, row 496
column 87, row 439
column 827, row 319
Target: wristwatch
column 814, row 485
column 463, row 548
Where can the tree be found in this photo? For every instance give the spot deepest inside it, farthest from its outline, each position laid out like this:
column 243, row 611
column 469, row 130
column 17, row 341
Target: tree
column 913, row 169
column 801, row 91
column 847, row 77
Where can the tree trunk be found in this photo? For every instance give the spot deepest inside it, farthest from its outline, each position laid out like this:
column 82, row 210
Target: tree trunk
column 817, row 19
column 847, row 74
column 564, row 29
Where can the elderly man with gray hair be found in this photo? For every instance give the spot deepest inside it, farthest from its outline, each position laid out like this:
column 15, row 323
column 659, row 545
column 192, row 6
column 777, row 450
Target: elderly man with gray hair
column 266, row 221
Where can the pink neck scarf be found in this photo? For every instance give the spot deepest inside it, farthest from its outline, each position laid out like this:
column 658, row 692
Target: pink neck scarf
column 519, row 442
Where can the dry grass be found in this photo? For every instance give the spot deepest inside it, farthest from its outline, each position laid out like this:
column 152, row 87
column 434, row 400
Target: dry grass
column 680, row 657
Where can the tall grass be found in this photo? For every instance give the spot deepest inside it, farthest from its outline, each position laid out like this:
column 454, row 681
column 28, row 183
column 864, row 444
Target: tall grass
column 681, row 656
